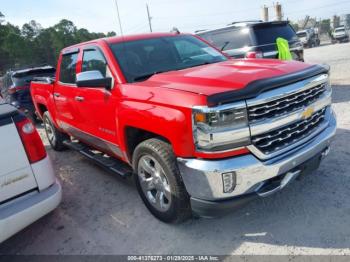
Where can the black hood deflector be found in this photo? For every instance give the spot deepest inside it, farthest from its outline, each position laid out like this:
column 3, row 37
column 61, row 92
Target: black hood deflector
column 256, row 87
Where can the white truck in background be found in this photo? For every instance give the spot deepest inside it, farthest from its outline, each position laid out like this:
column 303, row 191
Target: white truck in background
column 309, row 37
column 341, row 34
column 28, row 186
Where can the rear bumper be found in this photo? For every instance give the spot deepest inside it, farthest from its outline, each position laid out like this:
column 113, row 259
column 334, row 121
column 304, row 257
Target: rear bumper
column 254, row 178
column 19, row 213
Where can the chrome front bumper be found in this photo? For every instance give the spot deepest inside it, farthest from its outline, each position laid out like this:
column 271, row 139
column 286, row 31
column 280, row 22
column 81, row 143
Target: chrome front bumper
column 203, row 178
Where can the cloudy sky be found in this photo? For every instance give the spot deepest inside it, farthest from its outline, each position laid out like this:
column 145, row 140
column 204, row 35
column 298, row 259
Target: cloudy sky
column 187, row 15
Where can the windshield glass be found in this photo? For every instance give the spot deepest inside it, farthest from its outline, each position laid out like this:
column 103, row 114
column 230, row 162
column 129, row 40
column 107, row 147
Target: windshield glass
column 140, row 59
column 339, row 30
column 228, row 39
column 269, row 34
column 302, row 34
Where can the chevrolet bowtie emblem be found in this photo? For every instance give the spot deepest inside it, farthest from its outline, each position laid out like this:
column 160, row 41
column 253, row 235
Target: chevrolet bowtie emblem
column 307, row 113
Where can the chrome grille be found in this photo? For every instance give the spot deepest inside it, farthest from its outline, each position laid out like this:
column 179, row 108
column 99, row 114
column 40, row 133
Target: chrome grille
column 278, row 139
column 286, row 104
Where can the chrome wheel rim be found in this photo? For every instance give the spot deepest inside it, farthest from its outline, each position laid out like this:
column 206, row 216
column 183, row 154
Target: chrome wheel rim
column 49, row 131
column 154, row 183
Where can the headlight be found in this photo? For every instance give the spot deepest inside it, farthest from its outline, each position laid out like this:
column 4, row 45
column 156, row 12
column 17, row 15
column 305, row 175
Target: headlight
column 221, row 128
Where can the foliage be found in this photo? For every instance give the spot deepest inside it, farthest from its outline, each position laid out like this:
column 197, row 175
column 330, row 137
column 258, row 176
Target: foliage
column 33, row 45
column 325, row 26
column 295, row 26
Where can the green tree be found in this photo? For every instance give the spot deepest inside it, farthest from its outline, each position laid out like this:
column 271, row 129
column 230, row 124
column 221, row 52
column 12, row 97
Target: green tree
column 111, row 33
column 295, row 26
column 325, row 26
column 34, row 45
column 31, row 30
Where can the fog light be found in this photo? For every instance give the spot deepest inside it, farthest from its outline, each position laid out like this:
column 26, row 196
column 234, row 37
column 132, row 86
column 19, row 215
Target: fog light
column 229, row 181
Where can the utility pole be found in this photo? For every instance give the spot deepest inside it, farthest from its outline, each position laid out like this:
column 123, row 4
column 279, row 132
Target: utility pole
column 149, row 19
column 120, row 23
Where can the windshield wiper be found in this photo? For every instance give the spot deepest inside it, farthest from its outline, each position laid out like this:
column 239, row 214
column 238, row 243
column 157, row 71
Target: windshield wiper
column 146, row 76
column 199, row 64
column 225, row 44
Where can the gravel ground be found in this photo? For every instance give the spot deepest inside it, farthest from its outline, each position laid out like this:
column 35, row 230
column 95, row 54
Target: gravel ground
column 103, row 214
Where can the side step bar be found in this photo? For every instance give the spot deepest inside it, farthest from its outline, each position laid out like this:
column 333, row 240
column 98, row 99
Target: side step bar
column 108, row 163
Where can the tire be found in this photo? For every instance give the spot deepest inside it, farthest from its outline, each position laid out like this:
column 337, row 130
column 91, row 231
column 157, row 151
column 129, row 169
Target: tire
column 161, row 188
column 54, row 136
column 34, row 118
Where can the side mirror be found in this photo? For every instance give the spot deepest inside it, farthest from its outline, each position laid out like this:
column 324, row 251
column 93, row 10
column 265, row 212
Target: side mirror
column 93, row 78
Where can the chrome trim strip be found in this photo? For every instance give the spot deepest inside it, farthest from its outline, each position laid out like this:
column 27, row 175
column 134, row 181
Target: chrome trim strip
column 91, row 139
column 206, row 140
column 260, row 127
column 206, row 109
column 290, row 177
column 220, row 152
column 270, row 53
column 281, row 92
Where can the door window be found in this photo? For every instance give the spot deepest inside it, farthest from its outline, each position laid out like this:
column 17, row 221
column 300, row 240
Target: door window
column 68, row 68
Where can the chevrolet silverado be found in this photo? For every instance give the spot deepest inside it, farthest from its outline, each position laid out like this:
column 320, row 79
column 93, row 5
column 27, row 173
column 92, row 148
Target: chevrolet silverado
column 200, row 133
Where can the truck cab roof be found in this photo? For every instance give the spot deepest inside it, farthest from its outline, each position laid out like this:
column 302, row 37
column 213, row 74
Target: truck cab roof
column 119, row 39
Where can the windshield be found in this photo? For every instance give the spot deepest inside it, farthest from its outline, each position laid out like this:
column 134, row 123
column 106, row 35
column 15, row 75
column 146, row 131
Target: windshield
column 228, row 39
column 269, row 34
column 141, row 59
column 302, row 34
column 339, row 30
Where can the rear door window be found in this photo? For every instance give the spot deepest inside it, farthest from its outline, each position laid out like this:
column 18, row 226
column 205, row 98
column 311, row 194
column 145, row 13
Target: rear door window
column 94, row 60
column 228, row 39
column 68, row 68
column 268, row 34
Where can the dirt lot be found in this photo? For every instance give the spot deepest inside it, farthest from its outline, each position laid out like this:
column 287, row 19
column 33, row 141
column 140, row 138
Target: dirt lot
column 103, row 214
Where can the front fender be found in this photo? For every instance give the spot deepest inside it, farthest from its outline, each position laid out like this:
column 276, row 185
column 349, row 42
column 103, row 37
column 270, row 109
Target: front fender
column 172, row 123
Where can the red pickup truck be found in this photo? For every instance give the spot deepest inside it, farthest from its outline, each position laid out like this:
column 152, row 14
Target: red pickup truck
column 200, row 133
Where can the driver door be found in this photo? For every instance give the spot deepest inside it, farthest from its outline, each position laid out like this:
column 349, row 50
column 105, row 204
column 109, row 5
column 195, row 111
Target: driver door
column 97, row 106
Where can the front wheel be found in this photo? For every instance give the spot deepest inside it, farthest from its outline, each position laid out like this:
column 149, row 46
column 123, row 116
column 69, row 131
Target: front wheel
column 159, row 182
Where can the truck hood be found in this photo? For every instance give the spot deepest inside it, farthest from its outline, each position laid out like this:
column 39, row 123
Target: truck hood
column 232, row 75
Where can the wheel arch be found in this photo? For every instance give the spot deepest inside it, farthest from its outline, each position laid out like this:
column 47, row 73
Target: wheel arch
column 134, row 136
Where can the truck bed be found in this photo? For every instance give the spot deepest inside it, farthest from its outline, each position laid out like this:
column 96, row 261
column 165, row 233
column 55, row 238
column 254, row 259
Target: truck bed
column 41, row 90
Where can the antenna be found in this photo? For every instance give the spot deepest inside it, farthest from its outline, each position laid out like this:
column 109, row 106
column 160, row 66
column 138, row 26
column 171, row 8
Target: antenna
column 120, row 23
column 149, row 19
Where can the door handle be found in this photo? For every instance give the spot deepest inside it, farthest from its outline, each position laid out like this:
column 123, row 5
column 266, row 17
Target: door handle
column 79, row 98
column 56, row 94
